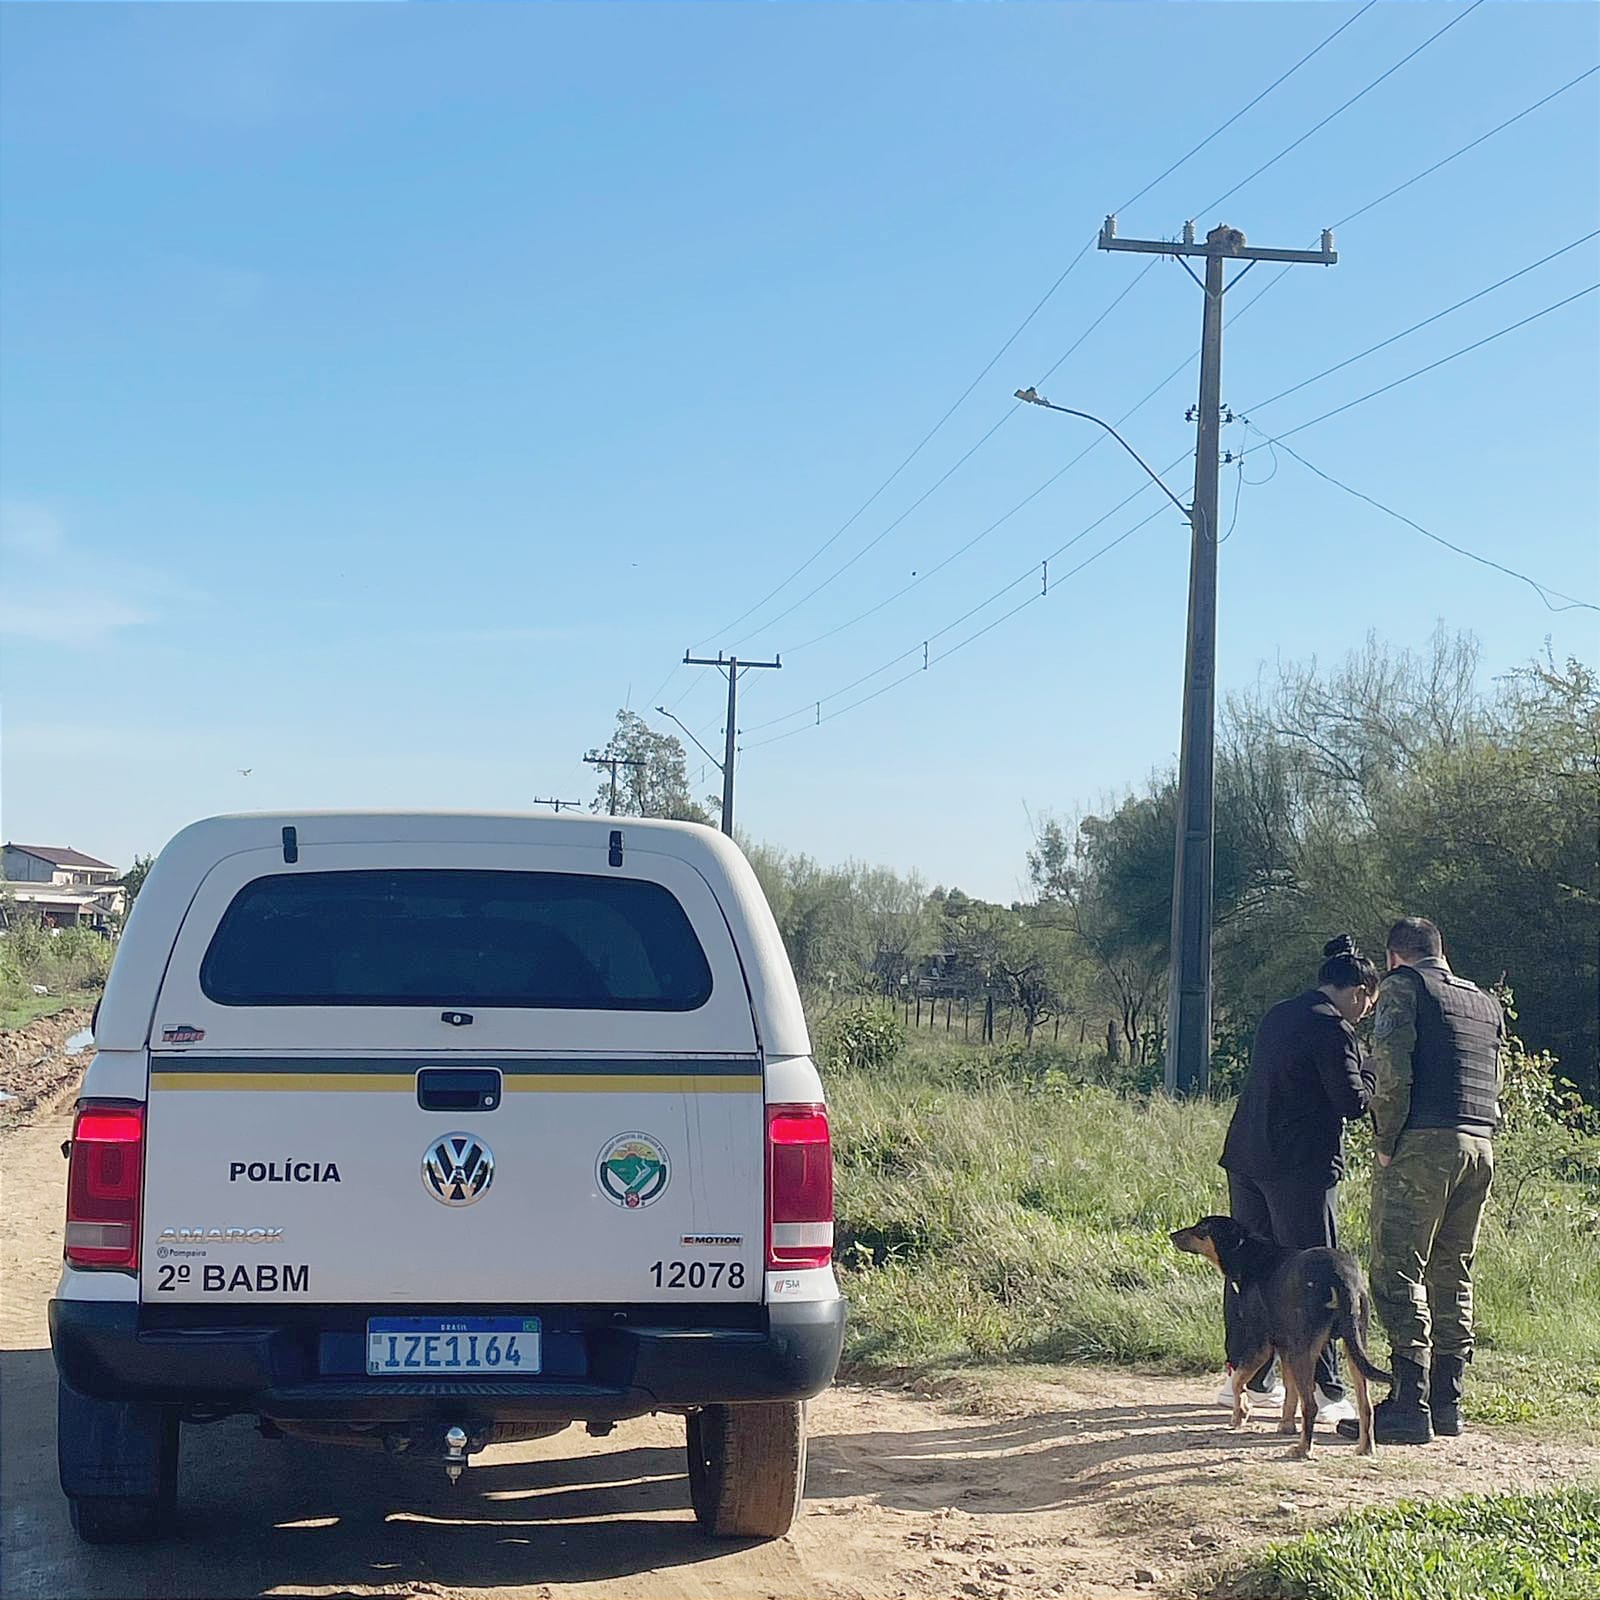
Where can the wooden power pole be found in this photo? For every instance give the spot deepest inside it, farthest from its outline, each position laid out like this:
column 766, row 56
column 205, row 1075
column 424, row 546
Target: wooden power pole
column 613, row 762
column 732, row 666
column 1188, row 1063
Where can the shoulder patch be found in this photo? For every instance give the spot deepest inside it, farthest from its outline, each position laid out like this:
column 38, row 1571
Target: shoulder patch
column 1389, row 1016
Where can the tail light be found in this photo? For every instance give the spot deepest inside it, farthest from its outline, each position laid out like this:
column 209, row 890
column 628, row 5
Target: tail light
column 105, row 1186
column 799, row 1187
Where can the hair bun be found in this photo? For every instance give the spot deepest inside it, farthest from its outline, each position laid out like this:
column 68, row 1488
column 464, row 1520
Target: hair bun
column 1344, row 945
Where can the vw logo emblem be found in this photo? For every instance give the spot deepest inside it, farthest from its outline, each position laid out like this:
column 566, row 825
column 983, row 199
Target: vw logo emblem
column 458, row 1169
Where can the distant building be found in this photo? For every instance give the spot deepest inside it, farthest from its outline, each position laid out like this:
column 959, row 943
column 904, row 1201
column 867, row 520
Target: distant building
column 65, row 887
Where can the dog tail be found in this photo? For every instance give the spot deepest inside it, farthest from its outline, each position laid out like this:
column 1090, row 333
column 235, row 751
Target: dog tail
column 1350, row 1324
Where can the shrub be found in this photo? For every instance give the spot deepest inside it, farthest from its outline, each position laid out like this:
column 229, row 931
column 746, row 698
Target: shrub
column 862, row 1039
column 64, row 961
column 1548, row 1133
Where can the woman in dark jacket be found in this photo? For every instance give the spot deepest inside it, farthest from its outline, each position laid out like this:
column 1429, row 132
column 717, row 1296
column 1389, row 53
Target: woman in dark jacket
column 1284, row 1152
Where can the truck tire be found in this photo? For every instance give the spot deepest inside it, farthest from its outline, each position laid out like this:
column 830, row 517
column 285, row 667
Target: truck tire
column 119, row 1467
column 118, row 1519
column 747, row 1468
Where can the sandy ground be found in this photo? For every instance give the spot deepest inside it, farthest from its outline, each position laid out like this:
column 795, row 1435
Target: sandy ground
column 1076, row 1482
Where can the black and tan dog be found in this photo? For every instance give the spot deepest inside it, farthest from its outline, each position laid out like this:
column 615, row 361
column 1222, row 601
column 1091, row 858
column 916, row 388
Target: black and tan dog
column 1291, row 1302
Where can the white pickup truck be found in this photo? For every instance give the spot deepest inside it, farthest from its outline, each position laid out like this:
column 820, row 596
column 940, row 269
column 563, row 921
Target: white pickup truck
column 426, row 1132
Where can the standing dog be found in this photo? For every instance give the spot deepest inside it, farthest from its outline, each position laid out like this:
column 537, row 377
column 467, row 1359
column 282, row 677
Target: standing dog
column 1291, row 1302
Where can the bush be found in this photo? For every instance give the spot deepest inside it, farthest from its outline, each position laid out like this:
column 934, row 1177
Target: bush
column 862, row 1039
column 1549, row 1133
column 69, row 960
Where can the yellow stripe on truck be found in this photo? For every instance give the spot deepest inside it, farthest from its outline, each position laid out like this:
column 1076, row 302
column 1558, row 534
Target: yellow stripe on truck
column 364, row 1082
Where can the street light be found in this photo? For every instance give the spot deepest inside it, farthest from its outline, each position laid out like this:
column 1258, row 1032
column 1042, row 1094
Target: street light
column 1034, row 398
column 703, row 751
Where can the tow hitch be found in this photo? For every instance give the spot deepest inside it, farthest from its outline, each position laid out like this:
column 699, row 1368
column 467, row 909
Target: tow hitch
column 455, row 1453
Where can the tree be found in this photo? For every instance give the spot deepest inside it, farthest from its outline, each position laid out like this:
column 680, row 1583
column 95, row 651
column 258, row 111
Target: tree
column 658, row 786
column 133, row 878
column 893, row 925
column 1495, row 839
column 1074, row 875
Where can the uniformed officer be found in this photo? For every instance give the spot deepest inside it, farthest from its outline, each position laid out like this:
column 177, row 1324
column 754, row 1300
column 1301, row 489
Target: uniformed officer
column 1435, row 1109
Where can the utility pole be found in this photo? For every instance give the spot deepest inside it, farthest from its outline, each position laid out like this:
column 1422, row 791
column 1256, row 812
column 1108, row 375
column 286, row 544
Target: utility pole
column 732, row 666
column 558, row 805
column 613, row 762
column 1188, row 1063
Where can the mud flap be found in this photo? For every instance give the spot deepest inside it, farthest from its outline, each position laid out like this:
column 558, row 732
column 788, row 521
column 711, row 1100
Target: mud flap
column 113, row 1449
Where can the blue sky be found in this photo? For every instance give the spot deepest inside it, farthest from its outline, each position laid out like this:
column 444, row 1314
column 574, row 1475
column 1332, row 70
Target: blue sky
column 388, row 393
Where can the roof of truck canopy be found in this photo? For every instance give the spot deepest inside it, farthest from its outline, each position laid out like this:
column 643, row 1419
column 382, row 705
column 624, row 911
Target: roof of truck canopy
column 126, row 1010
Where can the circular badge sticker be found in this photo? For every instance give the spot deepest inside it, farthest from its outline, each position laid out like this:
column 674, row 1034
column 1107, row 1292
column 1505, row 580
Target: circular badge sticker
column 632, row 1170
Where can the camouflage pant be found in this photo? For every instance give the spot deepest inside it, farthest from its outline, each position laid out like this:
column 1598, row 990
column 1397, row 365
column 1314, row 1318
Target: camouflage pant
column 1426, row 1207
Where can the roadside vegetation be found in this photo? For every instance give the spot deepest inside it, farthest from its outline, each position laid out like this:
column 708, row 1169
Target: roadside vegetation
column 70, row 965
column 1013, row 1204
column 1514, row 1547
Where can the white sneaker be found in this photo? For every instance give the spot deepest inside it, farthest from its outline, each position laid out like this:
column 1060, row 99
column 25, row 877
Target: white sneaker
column 1340, row 1410
column 1263, row 1397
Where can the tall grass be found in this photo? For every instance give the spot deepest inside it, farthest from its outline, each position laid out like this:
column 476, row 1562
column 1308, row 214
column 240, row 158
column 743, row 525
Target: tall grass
column 996, row 1205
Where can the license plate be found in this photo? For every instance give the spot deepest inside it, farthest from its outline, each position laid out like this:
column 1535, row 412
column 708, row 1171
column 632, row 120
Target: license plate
column 507, row 1347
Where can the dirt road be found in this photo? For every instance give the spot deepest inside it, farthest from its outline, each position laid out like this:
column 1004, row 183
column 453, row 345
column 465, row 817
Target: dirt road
column 1017, row 1488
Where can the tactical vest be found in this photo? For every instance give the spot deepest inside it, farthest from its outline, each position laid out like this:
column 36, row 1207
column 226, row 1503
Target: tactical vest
column 1455, row 1065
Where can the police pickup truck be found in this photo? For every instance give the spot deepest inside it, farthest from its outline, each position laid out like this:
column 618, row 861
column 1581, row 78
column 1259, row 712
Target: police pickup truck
column 427, row 1132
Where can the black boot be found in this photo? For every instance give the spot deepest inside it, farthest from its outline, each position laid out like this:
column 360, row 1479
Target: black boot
column 1444, row 1394
column 1403, row 1417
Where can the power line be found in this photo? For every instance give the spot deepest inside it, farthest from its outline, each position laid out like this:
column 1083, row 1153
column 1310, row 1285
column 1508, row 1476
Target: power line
column 1266, row 288
column 1428, row 172
column 1272, row 283
column 1277, row 440
column 1543, row 590
column 1094, row 444
column 1184, row 365
column 1022, row 326
column 961, row 644
column 874, row 542
column 1433, row 366
column 1228, row 194
column 866, row 504
column 1394, row 338
column 1316, row 50
column 1028, row 576
column 939, row 482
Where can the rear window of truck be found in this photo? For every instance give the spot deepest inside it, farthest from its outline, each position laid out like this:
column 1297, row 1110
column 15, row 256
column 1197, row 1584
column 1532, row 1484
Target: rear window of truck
column 437, row 937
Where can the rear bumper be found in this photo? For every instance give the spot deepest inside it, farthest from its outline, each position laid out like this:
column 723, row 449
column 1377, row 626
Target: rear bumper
column 595, row 1370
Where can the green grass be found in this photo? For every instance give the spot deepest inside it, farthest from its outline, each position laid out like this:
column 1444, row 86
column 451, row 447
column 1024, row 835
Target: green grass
column 18, row 1010
column 993, row 1206
column 1511, row 1547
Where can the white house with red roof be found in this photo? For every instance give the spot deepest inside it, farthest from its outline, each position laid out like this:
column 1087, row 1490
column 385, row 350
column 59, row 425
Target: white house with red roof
column 65, row 887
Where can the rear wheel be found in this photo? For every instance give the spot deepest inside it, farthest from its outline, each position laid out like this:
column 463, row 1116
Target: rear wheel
column 118, row 1519
column 747, row 1468
column 119, row 1467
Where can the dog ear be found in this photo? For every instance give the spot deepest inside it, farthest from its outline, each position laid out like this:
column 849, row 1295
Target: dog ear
column 1227, row 1233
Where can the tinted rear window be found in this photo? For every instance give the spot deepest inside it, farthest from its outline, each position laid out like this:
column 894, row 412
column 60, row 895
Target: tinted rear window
column 564, row 941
